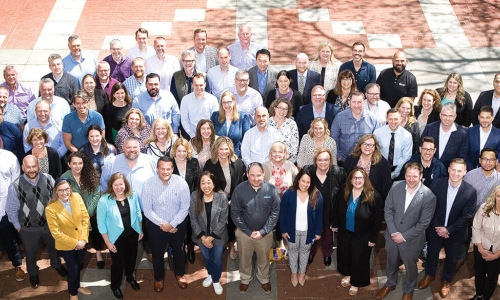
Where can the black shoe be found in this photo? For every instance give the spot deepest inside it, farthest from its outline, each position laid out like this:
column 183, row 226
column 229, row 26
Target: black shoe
column 101, row 264
column 118, row 293
column 476, row 298
column 327, row 261
column 34, row 281
column 191, row 257
column 62, row 271
column 135, row 285
column 310, row 260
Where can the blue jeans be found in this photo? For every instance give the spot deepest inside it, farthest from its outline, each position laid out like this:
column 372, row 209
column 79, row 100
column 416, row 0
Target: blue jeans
column 213, row 260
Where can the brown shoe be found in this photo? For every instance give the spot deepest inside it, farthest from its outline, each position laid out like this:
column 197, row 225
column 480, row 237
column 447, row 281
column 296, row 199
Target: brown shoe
column 459, row 265
column 267, row 288
column 19, row 274
column 445, row 289
column 407, row 296
column 243, row 288
column 383, row 292
column 159, row 286
column 425, row 282
column 150, row 258
column 182, row 282
column 84, row 291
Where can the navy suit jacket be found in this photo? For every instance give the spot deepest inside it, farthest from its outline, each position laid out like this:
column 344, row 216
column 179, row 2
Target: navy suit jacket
column 484, row 99
column 457, row 146
column 312, row 79
column 493, row 141
column 306, row 115
column 461, row 212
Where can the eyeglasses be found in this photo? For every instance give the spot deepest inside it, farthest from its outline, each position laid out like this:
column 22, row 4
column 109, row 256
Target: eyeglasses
column 358, row 178
column 64, row 191
column 488, row 159
column 281, row 108
column 368, row 145
column 227, row 102
column 242, row 80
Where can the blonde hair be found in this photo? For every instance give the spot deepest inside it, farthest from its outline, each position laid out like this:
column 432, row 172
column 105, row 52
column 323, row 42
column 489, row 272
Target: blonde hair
column 322, row 45
column 325, row 124
column 182, row 142
column 276, row 145
column 162, row 122
column 222, row 113
column 142, row 121
column 411, row 116
column 214, row 151
column 490, row 202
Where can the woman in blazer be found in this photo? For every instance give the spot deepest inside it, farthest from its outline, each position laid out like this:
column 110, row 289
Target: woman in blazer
column 224, row 163
column 238, row 121
column 188, row 167
column 485, row 229
column 119, row 220
column 68, row 223
column 301, row 222
column 96, row 98
column 357, row 214
column 208, row 212
column 48, row 157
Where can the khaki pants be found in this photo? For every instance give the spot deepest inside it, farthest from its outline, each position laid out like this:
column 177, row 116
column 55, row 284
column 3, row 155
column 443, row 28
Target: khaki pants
column 246, row 247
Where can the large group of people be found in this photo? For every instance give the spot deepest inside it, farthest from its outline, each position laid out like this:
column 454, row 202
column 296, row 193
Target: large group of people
column 178, row 153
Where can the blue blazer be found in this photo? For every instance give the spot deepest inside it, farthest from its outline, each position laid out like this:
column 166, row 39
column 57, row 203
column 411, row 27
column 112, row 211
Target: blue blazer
column 306, row 116
column 236, row 129
column 461, row 212
column 288, row 209
column 493, row 141
column 312, row 79
column 109, row 219
column 457, row 146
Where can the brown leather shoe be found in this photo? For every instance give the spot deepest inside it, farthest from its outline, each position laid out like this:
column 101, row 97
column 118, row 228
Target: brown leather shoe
column 19, row 274
column 150, row 258
column 159, row 286
column 407, row 296
column 445, row 289
column 182, row 282
column 267, row 288
column 425, row 282
column 243, row 288
column 383, row 292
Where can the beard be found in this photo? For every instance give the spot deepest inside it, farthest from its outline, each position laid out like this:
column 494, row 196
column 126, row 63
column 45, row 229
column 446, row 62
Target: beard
column 153, row 92
column 399, row 68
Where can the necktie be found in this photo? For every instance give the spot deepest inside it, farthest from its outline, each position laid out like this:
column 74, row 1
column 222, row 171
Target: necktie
column 390, row 157
column 301, row 84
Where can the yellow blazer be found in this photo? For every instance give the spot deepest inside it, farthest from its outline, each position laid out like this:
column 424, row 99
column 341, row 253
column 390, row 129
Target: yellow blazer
column 68, row 229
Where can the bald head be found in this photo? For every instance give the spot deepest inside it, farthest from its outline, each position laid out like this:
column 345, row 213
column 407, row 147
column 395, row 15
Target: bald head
column 301, row 62
column 30, row 167
column 261, row 118
column 399, row 62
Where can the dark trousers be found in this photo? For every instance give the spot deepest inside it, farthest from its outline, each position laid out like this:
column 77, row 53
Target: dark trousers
column 145, row 237
column 158, row 245
column 326, row 243
column 189, row 233
column 8, row 241
column 486, row 275
column 125, row 256
column 94, row 234
column 31, row 241
column 353, row 258
column 434, row 245
column 74, row 263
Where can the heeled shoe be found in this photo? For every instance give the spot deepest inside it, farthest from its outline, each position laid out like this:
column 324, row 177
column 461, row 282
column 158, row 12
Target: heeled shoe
column 302, row 280
column 346, row 281
column 310, row 259
column 294, row 280
column 190, row 256
column 353, row 291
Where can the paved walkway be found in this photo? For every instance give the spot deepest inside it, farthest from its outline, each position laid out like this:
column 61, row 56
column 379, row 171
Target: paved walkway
column 439, row 36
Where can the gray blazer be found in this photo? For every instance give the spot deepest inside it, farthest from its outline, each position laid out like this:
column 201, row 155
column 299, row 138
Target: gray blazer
column 412, row 223
column 271, row 80
column 218, row 219
column 211, row 56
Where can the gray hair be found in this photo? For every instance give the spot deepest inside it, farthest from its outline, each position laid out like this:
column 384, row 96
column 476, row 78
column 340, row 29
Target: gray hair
column 72, row 38
column 45, row 81
column 188, row 53
column 115, row 42
column 53, row 57
column 240, row 72
column 450, row 106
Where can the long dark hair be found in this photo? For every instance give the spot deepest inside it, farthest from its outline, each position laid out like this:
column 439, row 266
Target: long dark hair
column 368, row 191
column 199, row 192
column 89, row 178
column 104, row 144
column 312, row 191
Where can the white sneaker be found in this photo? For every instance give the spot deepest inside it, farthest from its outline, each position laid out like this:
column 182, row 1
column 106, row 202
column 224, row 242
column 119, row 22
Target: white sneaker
column 236, row 246
column 208, row 281
column 218, row 288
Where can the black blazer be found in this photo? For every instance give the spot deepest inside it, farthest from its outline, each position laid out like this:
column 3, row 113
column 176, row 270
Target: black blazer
column 312, row 79
column 433, row 116
column 55, row 169
column 192, row 173
column 464, row 112
column 101, row 98
column 296, row 101
column 380, row 174
column 306, row 116
column 236, row 170
column 368, row 217
column 484, row 99
column 461, row 212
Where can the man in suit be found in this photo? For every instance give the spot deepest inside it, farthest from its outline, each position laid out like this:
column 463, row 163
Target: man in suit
column 489, row 98
column 206, row 56
column 303, row 79
column 409, row 208
column 455, row 206
column 482, row 136
column 262, row 76
column 451, row 139
column 317, row 108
